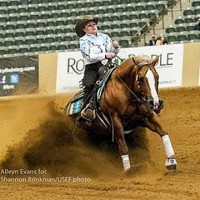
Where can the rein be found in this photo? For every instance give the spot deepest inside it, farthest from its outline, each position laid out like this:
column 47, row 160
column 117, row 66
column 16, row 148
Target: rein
column 136, row 97
column 133, row 93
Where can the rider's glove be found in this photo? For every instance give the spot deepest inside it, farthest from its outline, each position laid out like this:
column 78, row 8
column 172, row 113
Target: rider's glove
column 110, row 55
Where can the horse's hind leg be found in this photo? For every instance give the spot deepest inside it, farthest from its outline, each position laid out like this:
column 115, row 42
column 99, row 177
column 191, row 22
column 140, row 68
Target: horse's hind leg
column 123, row 148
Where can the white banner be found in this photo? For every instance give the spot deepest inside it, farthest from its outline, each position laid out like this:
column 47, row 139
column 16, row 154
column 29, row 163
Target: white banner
column 170, row 65
column 70, row 66
column 70, row 69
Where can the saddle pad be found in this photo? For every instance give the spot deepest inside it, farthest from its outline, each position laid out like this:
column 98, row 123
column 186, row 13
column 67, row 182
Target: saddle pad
column 103, row 83
column 75, row 105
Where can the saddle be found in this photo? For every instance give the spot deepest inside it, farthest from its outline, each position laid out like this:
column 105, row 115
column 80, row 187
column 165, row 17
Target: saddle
column 76, row 104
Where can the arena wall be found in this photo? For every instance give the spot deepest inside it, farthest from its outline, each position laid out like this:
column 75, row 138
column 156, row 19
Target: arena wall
column 191, row 65
column 47, row 73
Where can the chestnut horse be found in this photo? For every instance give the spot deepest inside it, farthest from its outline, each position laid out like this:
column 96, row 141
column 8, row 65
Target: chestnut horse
column 130, row 98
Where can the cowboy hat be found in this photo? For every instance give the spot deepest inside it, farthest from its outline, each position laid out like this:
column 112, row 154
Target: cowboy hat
column 82, row 22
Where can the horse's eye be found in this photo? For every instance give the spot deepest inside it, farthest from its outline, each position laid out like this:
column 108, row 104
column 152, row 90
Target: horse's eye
column 141, row 79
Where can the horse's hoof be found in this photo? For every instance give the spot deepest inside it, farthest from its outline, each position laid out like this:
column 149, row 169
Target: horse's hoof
column 171, row 169
column 129, row 172
column 170, row 164
column 137, row 169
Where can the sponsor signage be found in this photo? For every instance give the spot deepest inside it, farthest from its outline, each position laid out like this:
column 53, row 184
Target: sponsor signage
column 170, row 66
column 18, row 75
column 70, row 69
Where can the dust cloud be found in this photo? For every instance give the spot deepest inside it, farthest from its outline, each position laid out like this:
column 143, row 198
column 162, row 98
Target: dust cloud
column 47, row 139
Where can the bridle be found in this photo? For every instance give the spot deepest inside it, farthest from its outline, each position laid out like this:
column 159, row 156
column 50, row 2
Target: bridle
column 126, row 86
column 136, row 97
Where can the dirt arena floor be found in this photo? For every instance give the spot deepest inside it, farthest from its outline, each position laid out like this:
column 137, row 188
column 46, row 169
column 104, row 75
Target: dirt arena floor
column 41, row 159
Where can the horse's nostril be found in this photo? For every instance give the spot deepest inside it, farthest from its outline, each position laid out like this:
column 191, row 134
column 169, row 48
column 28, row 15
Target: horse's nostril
column 151, row 104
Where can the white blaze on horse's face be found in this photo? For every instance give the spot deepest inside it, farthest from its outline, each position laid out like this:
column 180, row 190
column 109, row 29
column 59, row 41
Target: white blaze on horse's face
column 152, row 86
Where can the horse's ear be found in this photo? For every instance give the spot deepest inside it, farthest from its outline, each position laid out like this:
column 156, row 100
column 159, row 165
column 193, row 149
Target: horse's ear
column 155, row 60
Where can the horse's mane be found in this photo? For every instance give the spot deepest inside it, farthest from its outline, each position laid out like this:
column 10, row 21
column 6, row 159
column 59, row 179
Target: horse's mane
column 142, row 59
column 132, row 62
column 124, row 67
column 136, row 60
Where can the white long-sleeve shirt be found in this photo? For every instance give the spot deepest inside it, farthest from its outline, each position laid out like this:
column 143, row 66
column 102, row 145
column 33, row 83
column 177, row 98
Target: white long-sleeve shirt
column 94, row 47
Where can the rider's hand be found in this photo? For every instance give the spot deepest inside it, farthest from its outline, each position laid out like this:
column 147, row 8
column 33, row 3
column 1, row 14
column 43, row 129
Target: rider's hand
column 115, row 44
column 110, row 55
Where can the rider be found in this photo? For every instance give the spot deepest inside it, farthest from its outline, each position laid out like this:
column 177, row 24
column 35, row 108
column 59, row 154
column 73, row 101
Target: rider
column 95, row 47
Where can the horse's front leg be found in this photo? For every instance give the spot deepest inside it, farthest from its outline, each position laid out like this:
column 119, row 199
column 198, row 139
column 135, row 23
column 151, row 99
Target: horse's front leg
column 119, row 136
column 153, row 124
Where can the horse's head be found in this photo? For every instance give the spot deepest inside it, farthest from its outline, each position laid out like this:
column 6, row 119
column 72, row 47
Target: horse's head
column 147, row 80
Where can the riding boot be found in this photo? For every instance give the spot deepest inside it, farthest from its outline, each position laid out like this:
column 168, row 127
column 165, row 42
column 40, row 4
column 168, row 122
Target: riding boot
column 88, row 112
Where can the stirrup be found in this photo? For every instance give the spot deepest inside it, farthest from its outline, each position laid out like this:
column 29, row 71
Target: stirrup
column 88, row 114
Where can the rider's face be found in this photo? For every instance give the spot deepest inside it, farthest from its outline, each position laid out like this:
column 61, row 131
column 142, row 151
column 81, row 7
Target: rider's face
column 90, row 27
